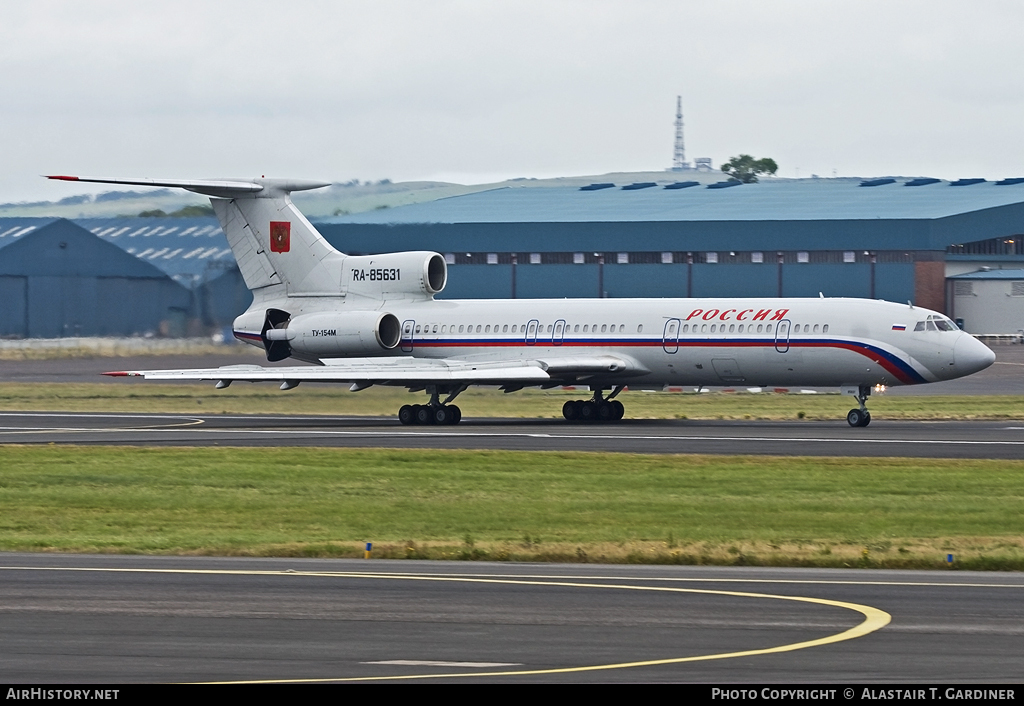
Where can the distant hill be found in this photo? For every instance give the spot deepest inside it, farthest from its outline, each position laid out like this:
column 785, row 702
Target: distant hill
column 337, row 199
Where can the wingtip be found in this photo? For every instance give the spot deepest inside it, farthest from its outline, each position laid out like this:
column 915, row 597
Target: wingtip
column 60, row 177
column 120, row 374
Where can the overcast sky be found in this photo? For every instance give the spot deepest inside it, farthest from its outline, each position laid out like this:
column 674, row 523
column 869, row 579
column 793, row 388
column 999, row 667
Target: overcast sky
column 481, row 90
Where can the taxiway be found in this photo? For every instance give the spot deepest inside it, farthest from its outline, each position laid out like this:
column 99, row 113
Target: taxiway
column 121, row 619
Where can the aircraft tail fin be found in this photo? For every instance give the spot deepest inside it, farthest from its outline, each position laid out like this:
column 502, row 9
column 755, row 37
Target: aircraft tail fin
column 272, row 241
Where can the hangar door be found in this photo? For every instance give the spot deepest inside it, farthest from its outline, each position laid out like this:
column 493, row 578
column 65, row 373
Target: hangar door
column 13, row 306
column 61, row 306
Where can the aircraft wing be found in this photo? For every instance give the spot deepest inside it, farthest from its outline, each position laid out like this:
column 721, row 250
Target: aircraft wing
column 408, row 371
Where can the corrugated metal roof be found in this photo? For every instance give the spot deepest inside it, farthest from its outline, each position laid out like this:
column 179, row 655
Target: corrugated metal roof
column 188, row 249
column 61, row 248
column 803, row 199
column 13, row 228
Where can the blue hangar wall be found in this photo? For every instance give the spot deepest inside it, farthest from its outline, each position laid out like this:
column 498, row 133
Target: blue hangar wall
column 593, row 260
column 61, row 280
column 883, row 238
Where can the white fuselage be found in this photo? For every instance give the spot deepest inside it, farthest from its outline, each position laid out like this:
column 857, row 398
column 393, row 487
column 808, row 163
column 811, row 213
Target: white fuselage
column 692, row 342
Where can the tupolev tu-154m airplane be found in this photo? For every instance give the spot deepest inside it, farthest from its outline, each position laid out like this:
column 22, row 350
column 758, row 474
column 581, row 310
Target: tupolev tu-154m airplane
column 373, row 320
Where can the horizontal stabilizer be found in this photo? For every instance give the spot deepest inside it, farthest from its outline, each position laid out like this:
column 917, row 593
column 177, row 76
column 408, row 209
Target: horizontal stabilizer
column 222, row 188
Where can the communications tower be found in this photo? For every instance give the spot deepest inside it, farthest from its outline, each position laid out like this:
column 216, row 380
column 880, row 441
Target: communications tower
column 679, row 162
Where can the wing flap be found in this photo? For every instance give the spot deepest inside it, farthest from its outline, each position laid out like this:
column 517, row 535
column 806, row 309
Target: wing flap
column 400, row 370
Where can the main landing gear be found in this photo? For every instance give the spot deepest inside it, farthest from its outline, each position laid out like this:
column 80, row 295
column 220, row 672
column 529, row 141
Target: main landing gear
column 860, row 417
column 434, row 412
column 598, row 409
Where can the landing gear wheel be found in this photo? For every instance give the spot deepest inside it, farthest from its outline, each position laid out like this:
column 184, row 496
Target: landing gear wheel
column 447, row 415
column 571, row 410
column 424, row 414
column 588, row 412
column 858, row 418
column 605, row 411
column 407, row 415
column 617, row 410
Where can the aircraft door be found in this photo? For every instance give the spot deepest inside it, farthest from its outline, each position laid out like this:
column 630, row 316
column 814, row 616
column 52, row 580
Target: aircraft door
column 408, row 327
column 531, row 332
column 670, row 338
column 558, row 332
column 782, row 335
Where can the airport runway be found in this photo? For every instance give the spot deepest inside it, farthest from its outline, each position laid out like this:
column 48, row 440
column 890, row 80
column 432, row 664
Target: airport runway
column 998, row 440
column 124, row 619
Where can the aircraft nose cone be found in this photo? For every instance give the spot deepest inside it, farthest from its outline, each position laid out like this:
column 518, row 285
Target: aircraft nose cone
column 971, row 355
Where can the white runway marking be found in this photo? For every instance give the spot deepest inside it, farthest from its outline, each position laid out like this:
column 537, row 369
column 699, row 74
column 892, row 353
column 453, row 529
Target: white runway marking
column 430, row 663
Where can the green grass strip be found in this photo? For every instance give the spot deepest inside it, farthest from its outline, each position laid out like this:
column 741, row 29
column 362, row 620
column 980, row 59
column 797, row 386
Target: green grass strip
column 514, row 505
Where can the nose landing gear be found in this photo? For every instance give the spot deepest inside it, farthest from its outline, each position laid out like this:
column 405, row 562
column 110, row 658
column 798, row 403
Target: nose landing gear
column 860, row 417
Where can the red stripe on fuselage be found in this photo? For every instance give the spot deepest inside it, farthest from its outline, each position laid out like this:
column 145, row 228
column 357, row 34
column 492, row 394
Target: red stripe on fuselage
column 860, row 348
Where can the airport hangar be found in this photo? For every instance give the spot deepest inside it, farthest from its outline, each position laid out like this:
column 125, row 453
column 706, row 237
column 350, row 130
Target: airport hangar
column 170, row 277
column 894, row 239
column 919, row 240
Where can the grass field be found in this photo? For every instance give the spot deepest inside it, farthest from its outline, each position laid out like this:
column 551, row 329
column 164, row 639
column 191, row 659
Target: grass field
column 509, row 505
column 140, row 396
column 501, row 505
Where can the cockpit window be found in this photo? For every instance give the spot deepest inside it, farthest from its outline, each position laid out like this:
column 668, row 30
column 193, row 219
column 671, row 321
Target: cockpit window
column 935, row 323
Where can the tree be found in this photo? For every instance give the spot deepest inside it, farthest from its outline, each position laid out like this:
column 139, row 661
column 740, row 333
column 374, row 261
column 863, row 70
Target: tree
column 745, row 168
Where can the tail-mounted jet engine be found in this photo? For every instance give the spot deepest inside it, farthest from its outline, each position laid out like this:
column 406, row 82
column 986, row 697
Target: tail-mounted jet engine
column 401, row 275
column 329, row 335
